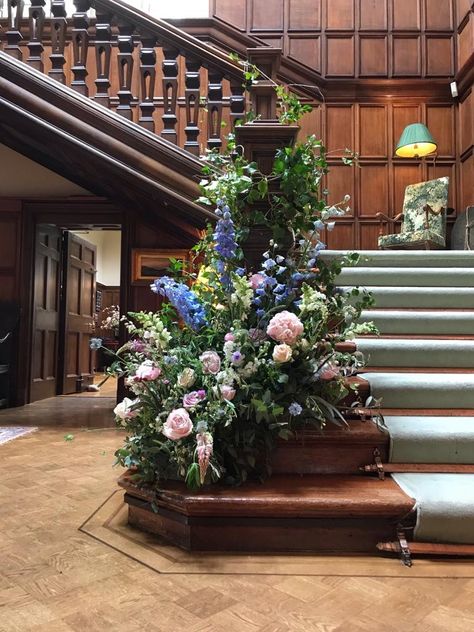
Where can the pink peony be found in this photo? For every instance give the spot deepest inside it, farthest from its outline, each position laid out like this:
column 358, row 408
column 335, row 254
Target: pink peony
column 211, row 363
column 282, row 353
column 285, row 327
column 256, row 280
column 229, row 337
column 147, row 372
column 178, row 424
column 227, row 392
column 193, row 399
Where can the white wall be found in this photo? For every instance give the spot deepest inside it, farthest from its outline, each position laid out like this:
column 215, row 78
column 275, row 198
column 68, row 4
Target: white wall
column 108, row 254
column 21, row 177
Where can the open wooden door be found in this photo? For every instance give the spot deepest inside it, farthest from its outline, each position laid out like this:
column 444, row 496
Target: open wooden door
column 79, row 310
column 44, row 364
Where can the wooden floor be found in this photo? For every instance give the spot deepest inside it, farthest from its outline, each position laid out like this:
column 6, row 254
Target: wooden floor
column 54, row 578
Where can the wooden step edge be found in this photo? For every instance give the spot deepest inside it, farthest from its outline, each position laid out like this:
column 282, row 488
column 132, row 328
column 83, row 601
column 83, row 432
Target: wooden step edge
column 418, row 468
column 419, row 369
column 454, row 310
column 428, row 412
column 429, row 548
column 434, row 337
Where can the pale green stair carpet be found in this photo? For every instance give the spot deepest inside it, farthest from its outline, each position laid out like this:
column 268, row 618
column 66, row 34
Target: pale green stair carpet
column 429, row 294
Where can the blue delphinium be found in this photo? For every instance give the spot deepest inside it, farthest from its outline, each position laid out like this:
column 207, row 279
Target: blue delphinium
column 183, row 300
column 224, row 235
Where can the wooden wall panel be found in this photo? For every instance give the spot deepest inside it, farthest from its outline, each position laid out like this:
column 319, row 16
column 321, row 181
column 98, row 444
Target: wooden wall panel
column 462, row 8
column 373, row 190
column 340, row 15
column 466, row 123
column 369, row 233
column 439, row 56
column 304, row 15
column 438, row 15
column 339, row 128
column 403, row 175
column 373, row 15
column 311, row 123
column 340, row 182
column 373, row 56
column 466, row 41
column 232, row 12
column 306, row 50
column 406, row 15
column 339, row 56
column 406, row 56
column 467, row 182
column 440, row 119
column 373, row 131
column 267, row 15
column 343, row 234
column 10, row 251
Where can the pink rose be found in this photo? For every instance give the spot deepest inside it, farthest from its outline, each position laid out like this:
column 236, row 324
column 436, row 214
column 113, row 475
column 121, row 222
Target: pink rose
column 285, row 327
column 256, row 280
column 147, row 371
column 211, row 363
column 328, row 372
column 229, row 337
column 193, row 399
column 227, row 392
column 282, row 353
column 178, row 424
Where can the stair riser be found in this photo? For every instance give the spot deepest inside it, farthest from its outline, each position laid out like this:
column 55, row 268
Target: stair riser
column 402, row 277
column 414, row 259
column 427, row 298
column 422, row 323
column 387, row 353
column 292, row 535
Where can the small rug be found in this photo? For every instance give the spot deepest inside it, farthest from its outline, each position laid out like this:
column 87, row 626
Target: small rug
column 8, row 433
column 108, row 524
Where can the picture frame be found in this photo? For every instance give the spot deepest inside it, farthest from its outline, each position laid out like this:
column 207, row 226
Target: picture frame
column 149, row 264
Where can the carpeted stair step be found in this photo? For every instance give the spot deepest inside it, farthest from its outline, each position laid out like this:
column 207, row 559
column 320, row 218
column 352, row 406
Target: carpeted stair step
column 422, row 390
column 426, row 439
column 424, row 297
column 444, row 504
column 400, row 352
column 407, row 277
column 415, row 259
column 445, row 322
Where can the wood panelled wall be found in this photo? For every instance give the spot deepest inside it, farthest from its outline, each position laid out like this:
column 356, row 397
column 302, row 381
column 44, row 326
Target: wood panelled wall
column 353, row 38
column 465, row 78
column 10, row 249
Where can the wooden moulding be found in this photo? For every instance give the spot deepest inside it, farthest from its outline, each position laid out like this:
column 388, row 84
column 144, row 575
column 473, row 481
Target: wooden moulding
column 334, row 513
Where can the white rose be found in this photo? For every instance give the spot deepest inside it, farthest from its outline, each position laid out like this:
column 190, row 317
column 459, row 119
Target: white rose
column 282, row 353
column 186, row 378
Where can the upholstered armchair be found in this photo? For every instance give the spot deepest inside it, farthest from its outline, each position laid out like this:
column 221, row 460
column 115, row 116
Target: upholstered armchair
column 423, row 220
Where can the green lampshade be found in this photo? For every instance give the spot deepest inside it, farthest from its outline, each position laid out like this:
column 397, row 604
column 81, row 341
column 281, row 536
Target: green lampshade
column 415, row 141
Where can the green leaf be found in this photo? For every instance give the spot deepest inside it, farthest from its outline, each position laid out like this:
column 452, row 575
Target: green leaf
column 69, row 437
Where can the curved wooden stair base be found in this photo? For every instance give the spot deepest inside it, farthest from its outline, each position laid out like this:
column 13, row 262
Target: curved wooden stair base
column 288, row 513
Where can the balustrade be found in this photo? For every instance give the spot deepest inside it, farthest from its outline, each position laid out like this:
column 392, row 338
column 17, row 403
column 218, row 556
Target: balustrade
column 167, row 76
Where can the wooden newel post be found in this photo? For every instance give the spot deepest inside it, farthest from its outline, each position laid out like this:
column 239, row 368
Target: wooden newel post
column 261, row 138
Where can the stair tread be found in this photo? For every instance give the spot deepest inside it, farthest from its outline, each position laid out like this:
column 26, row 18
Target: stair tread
column 286, row 496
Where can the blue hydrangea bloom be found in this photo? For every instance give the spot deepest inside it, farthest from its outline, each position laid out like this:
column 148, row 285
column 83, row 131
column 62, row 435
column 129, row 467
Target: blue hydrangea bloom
column 295, row 409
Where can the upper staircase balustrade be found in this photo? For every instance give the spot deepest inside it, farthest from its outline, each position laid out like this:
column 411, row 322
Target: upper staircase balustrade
column 148, row 70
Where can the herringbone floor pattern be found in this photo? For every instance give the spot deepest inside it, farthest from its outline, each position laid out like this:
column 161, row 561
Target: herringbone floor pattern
column 56, row 579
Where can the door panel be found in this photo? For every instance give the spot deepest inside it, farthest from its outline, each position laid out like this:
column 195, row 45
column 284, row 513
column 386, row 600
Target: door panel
column 80, row 288
column 44, row 365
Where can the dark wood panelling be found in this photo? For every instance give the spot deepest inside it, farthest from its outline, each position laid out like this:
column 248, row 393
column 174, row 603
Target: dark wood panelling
column 466, row 123
column 373, row 60
column 306, row 50
column 340, row 15
column 304, row 15
column 406, row 15
column 406, row 56
column 466, row 41
column 373, row 129
column 373, row 15
column 373, row 190
column 339, row 128
column 467, row 180
column 232, row 12
column 343, row 233
column 339, row 56
column 440, row 120
column 403, row 175
column 267, row 15
column 10, row 253
column 438, row 15
column 340, row 182
column 439, row 56
column 462, row 8
column 369, row 233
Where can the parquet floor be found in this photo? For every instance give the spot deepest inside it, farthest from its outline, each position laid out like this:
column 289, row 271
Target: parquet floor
column 55, row 579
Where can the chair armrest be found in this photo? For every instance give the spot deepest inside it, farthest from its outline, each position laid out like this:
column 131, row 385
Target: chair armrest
column 390, row 220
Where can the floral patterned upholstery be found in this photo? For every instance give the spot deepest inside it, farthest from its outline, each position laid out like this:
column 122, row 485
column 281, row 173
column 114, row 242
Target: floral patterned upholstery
column 413, row 232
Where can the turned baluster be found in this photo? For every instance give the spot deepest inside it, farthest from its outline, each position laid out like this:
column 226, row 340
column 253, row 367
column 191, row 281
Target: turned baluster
column 58, row 40
column 147, row 82
column 237, row 101
column 125, row 70
column 13, row 34
column 170, row 93
column 214, row 109
column 103, row 56
column 35, row 45
column 192, row 96
column 80, row 46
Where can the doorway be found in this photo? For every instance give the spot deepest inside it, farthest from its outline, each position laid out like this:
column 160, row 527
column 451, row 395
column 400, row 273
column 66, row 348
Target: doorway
column 76, row 297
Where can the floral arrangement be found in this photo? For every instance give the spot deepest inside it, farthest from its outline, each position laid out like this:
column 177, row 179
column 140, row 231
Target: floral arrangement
column 237, row 358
